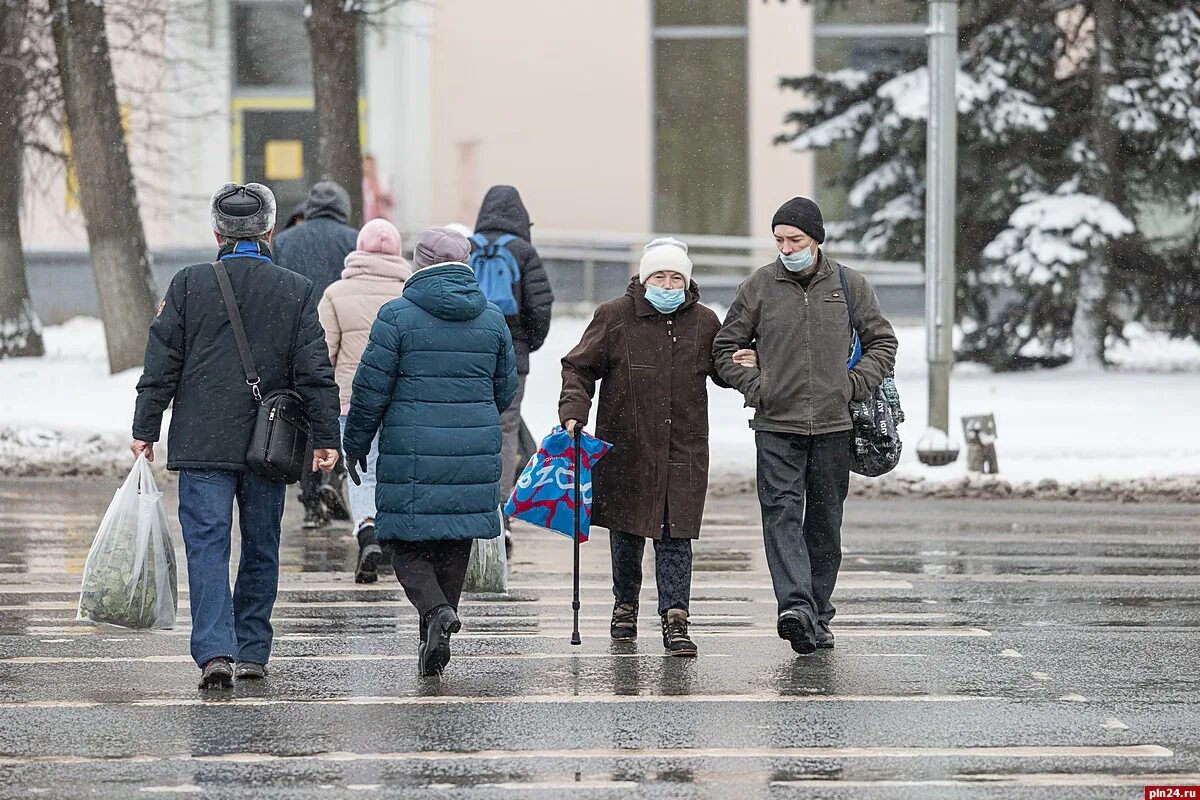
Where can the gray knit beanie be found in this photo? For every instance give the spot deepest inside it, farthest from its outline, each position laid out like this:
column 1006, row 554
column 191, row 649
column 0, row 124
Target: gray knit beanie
column 243, row 213
column 440, row 246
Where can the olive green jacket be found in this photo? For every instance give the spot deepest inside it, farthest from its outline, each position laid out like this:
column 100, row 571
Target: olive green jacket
column 802, row 335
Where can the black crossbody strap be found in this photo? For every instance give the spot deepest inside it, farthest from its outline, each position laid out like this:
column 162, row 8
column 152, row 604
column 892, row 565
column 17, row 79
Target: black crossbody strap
column 849, row 301
column 239, row 330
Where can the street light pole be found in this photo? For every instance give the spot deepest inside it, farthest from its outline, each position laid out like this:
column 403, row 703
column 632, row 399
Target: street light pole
column 940, row 206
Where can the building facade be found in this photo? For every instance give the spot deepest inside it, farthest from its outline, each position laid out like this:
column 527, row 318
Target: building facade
column 628, row 116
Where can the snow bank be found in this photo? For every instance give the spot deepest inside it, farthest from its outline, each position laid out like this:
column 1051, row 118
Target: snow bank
column 63, row 414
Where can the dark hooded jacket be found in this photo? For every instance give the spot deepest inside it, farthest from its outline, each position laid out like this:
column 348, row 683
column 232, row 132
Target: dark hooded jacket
column 503, row 212
column 192, row 359
column 318, row 248
column 437, row 372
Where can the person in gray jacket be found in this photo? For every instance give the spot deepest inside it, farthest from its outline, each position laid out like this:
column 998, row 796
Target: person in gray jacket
column 785, row 345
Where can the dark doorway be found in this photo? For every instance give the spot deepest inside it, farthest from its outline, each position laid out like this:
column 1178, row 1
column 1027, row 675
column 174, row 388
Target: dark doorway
column 280, row 150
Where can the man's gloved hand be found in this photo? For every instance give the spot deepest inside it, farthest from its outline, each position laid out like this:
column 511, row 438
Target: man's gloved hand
column 353, row 465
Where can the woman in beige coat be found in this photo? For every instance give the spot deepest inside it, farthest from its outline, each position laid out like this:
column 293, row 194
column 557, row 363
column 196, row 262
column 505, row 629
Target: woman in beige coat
column 374, row 274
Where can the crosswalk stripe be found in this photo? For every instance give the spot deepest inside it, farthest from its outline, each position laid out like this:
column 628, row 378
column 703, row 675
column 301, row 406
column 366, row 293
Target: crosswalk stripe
column 737, row 753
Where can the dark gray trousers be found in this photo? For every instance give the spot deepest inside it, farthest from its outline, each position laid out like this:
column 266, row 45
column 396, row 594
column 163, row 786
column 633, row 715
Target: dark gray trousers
column 802, row 486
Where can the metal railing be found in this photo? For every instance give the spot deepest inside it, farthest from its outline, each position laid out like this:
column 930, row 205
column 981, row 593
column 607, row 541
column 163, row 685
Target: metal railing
column 599, row 263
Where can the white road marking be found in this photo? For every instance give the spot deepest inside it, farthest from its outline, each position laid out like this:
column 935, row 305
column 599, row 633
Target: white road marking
column 739, row 753
column 456, row 700
column 555, row 629
column 1073, row 698
column 1030, row 779
column 1041, row 676
column 185, row 788
column 1009, row 653
column 1114, row 724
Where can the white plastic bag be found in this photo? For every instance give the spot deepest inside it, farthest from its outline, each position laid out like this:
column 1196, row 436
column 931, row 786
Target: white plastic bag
column 487, row 570
column 129, row 579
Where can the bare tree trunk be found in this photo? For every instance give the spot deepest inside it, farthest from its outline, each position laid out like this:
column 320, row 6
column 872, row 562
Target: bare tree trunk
column 333, row 29
column 1090, row 323
column 20, row 329
column 107, row 194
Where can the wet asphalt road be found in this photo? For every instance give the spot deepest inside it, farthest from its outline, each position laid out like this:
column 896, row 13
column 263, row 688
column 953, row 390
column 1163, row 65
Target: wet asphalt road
column 985, row 649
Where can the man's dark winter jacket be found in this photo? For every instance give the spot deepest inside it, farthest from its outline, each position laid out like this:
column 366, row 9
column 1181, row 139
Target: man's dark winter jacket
column 318, row 248
column 192, row 359
column 437, row 372
column 503, row 212
column 802, row 335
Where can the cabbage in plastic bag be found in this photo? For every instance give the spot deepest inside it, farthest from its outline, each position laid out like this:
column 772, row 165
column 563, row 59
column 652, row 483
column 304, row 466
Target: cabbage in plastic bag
column 129, row 579
column 487, row 570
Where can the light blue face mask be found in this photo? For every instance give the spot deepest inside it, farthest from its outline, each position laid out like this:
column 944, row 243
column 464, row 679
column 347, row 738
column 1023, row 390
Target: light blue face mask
column 665, row 300
column 798, row 261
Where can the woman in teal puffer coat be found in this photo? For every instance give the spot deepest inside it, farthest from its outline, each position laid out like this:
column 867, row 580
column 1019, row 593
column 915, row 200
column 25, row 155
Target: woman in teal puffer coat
column 438, row 370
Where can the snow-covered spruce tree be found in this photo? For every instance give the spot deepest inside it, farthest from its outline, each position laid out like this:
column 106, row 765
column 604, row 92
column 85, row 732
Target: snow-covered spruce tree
column 1078, row 124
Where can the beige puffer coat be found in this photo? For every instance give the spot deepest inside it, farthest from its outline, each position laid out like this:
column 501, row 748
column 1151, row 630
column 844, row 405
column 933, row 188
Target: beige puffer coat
column 350, row 305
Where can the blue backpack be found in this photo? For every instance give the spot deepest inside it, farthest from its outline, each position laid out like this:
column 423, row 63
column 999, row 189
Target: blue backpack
column 497, row 271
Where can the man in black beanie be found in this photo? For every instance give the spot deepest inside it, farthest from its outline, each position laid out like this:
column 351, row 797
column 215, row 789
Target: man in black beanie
column 193, row 360
column 788, row 346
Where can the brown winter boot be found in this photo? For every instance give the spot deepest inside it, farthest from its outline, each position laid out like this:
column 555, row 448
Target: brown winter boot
column 675, row 633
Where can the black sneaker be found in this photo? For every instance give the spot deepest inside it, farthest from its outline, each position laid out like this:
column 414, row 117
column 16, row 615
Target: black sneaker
column 336, row 505
column 217, row 673
column 824, row 635
column 675, row 633
column 369, row 555
column 797, row 628
column 434, row 654
column 249, row 671
column 624, row 622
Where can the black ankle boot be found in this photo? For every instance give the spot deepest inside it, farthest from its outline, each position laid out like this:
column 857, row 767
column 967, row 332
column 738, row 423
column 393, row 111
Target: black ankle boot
column 435, row 652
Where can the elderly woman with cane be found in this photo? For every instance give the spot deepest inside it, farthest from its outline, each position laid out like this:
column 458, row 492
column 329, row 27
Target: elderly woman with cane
column 651, row 351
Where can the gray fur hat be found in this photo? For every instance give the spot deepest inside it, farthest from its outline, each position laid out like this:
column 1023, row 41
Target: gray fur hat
column 440, row 246
column 243, row 212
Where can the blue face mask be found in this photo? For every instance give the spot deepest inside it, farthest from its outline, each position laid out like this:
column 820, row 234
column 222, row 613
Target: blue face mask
column 665, row 300
column 798, row 261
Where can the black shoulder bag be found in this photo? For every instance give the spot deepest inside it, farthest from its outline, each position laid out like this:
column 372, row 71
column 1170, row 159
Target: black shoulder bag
column 875, row 446
column 279, row 445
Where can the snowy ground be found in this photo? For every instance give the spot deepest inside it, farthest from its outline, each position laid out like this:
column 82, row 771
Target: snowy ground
column 65, row 414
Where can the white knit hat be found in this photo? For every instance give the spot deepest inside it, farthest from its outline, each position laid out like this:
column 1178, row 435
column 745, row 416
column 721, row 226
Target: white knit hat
column 665, row 254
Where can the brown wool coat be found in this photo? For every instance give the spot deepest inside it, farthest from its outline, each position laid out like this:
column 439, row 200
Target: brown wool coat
column 653, row 371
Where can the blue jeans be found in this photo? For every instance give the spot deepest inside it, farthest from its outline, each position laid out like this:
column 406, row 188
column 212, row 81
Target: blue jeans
column 236, row 626
column 362, row 497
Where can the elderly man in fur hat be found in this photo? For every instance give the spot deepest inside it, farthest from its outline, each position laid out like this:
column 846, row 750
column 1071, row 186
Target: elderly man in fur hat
column 192, row 359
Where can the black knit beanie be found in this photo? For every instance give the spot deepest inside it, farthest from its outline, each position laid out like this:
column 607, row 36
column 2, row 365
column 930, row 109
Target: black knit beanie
column 803, row 214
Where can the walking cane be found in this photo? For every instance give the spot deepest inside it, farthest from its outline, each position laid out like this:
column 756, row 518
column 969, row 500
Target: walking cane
column 578, row 436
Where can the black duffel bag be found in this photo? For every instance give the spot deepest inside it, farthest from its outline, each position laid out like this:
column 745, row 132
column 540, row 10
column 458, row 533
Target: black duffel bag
column 875, row 446
column 279, row 444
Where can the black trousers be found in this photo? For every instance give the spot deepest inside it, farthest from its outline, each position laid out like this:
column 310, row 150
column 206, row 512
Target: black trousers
column 802, row 486
column 431, row 573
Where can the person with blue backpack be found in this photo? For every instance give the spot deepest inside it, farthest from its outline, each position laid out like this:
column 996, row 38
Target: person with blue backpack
column 512, row 278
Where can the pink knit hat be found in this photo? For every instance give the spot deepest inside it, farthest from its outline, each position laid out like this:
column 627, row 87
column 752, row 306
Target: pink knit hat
column 379, row 236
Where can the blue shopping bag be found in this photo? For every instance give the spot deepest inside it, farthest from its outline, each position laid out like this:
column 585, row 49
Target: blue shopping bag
column 545, row 492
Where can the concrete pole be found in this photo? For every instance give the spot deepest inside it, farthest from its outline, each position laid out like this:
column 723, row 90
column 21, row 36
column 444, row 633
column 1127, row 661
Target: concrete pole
column 940, row 206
